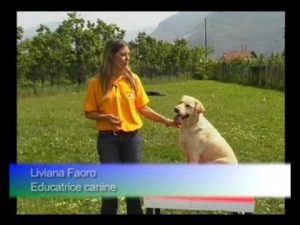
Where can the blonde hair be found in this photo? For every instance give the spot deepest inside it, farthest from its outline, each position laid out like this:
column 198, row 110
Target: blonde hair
column 111, row 48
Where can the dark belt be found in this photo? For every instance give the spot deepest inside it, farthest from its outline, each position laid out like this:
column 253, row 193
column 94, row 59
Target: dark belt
column 117, row 132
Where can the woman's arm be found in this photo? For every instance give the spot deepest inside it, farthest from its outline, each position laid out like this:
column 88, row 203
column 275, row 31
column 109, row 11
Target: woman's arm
column 156, row 117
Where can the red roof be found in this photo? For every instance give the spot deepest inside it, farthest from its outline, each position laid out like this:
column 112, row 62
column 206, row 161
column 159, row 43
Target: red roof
column 233, row 55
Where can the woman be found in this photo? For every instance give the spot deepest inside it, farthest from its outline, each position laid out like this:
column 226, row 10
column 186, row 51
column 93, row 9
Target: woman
column 114, row 99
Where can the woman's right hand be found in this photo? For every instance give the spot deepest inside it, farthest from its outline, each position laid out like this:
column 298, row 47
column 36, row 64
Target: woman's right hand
column 172, row 123
column 113, row 119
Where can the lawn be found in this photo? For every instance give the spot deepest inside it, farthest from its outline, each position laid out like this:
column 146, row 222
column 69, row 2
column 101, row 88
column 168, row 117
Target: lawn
column 53, row 129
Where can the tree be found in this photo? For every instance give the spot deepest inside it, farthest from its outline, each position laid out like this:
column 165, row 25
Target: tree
column 20, row 33
column 70, row 53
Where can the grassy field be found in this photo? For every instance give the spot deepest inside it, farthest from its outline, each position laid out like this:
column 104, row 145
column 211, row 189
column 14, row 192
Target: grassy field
column 53, row 129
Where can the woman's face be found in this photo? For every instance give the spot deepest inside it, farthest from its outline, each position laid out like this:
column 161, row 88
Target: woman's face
column 121, row 58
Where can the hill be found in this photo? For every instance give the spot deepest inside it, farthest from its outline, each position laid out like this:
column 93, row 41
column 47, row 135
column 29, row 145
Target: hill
column 178, row 25
column 262, row 32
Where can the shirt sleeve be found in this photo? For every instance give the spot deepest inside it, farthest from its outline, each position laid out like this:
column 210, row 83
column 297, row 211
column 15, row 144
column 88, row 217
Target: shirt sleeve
column 141, row 98
column 90, row 104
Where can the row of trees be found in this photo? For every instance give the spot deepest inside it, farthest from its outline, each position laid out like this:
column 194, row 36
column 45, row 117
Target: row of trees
column 154, row 58
column 68, row 54
column 72, row 53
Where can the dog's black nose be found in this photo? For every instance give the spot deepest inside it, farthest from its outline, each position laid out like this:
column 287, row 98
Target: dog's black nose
column 176, row 110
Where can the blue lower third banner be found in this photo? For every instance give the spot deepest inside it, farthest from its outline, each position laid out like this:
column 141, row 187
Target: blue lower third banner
column 136, row 180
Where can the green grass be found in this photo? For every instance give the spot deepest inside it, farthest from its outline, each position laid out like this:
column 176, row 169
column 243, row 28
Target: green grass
column 53, row 129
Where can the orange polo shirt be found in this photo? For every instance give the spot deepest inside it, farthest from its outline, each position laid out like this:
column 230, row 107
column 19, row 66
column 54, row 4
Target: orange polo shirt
column 119, row 101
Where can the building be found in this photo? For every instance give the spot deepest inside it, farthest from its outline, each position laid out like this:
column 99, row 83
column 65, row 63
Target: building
column 238, row 55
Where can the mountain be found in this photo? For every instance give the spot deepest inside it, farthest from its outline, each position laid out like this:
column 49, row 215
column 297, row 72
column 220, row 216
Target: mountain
column 130, row 35
column 178, row 25
column 262, row 32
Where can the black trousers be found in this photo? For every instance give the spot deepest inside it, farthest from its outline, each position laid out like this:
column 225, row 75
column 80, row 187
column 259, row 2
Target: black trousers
column 123, row 148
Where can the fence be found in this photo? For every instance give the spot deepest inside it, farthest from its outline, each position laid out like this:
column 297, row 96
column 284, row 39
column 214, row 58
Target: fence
column 268, row 75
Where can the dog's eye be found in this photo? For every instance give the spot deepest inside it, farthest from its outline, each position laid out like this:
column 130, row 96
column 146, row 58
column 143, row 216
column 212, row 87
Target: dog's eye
column 188, row 106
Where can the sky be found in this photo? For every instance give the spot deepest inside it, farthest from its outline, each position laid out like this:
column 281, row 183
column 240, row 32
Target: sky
column 127, row 20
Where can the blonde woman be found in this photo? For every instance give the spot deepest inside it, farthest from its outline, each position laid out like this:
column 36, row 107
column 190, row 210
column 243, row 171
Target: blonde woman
column 115, row 98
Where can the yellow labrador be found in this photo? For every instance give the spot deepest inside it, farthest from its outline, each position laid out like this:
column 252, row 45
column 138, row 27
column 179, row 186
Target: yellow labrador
column 199, row 139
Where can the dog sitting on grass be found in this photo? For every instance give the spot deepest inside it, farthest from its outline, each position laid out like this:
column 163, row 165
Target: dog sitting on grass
column 199, row 139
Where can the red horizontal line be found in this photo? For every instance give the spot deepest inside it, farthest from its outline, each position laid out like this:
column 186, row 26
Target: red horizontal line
column 209, row 199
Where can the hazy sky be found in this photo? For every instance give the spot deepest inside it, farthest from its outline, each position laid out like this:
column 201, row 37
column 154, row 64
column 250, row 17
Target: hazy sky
column 125, row 20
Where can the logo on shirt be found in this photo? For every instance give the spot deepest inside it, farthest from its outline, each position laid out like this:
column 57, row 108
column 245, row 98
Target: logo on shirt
column 130, row 95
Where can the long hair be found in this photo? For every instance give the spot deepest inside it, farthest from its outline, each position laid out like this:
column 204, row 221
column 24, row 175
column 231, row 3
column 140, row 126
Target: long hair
column 110, row 49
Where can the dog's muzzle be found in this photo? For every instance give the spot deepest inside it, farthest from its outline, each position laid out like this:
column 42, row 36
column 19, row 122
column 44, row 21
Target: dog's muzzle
column 179, row 118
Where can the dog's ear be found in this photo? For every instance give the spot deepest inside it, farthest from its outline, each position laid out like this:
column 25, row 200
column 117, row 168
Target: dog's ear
column 199, row 107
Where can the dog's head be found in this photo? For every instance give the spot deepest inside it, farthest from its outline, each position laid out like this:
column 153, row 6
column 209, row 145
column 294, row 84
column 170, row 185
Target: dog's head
column 188, row 107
